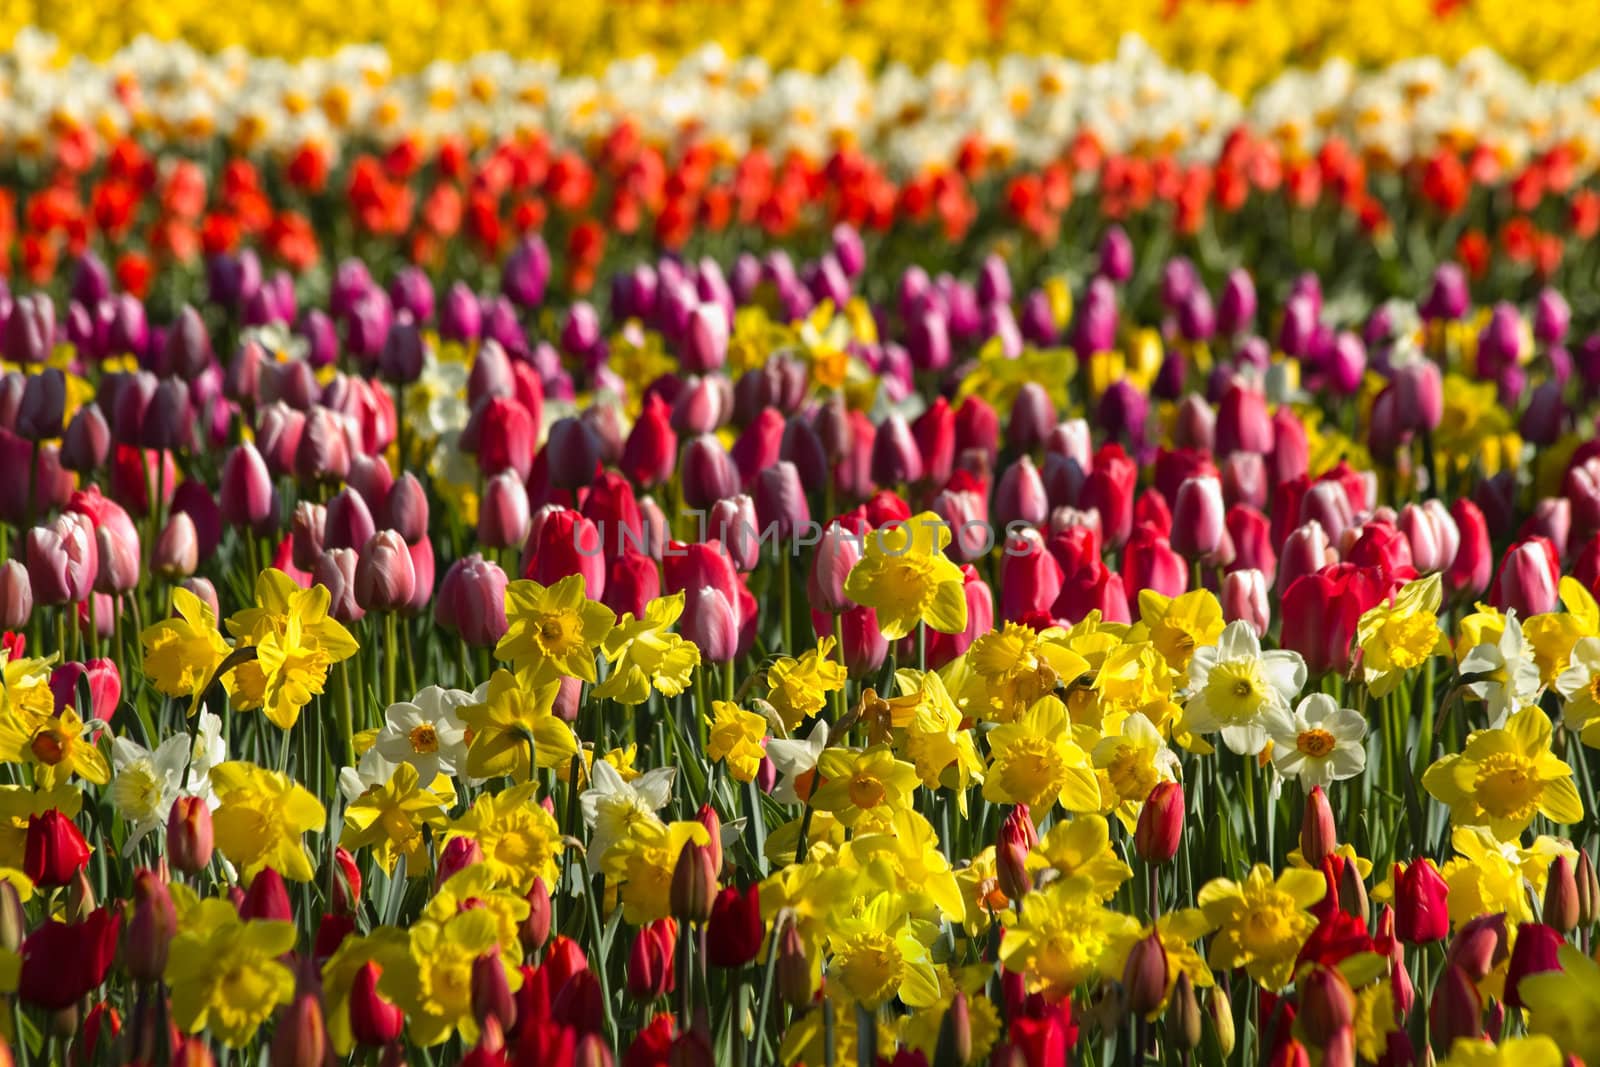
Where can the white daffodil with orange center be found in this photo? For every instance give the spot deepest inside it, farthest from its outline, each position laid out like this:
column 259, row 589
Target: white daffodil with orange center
column 1319, row 742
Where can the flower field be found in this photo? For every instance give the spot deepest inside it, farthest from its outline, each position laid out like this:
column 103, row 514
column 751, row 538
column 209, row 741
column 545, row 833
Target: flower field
column 683, row 534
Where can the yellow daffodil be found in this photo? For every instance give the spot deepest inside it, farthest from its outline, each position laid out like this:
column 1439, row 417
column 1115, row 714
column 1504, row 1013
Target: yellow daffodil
column 645, row 655
column 800, row 685
column 225, row 973
column 1401, row 636
column 643, row 862
column 515, row 729
column 878, row 953
column 1132, row 762
column 736, row 738
column 479, row 888
column 1064, row 937
column 1262, row 923
column 1178, row 625
column 855, row 782
column 260, row 818
column 1018, row 665
column 1563, row 1005
column 1034, row 761
column 904, row 576
column 297, row 641
column 1554, row 634
column 1491, row 877
column 182, row 653
column 519, row 838
column 1081, row 848
column 390, row 819
column 55, row 746
column 434, row 985
column 553, row 631
column 1504, row 777
column 908, row 855
column 1536, row 1051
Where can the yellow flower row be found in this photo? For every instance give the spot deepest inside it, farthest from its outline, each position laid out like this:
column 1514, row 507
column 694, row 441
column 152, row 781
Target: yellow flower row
column 1242, row 44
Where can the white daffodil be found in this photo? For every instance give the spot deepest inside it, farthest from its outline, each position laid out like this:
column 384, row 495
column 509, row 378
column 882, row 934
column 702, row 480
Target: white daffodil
column 796, row 760
column 612, row 807
column 370, row 772
column 426, row 732
column 1233, row 684
column 1579, row 686
column 210, row 748
column 1317, row 743
column 145, row 783
column 1504, row 675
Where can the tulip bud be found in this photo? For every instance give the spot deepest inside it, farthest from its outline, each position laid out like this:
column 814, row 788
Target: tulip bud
column 189, row 835
column 267, row 898
column 42, row 405
column 16, row 595
column 300, row 1040
column 1588, row 889
column 503, row 517
column 1536, row 952
column 1160, row 826
column 177, row 550
column 694, row 883
column 1562, row 900
column 794, row 970
column 1197, row 518
column 13, row 920
column 1244, row 598
column 651, row 961
column 535, row 929
column 1319, row 835
column 407, row 508
column 1457, row 1009
column 150, row 931
column 955, row 1033
column 1479, row 946
column 471, row 601
column 491, row 993
column 1184, row 1022
column 1221, row 1010
column 1144, row 977
column 385, row 575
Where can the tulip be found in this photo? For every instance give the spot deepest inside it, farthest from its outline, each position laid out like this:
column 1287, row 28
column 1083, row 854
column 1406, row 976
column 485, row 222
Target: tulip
column 526, row 273
column 505, row 436
column 189, row 835
column 1456, row 1012
column 62, row 559
column 1109, row 490
column 407, row 509
column 1479, row 946
column 1527, row 579
column 780, row 501
column 1030, row 577
column 977, row 427
column 16, row 595
column 104, row 685
column 711, row 622
column 385, row 574
column 374, row 1021
column 87, row 443
column 1197, row 518
column 62, row 962
column 562, row 542
column 1144, row 977
column 896, row 460
column 1160, row 827
column 1468, row 573
column 1020, row 498
column 1149, row 562
column 702, row 406
column 56, row 850
column 503, row 516
column 335, row 571
column 1562, row 906
column 1244, row 598
column 708, row 473
column 267, row 898
column 734, row 526
column 650, row 971
column 735, row 930
column 694, row 883
column 348, row 521
column 177, row 550
column 1535, row 953
column 42, row 405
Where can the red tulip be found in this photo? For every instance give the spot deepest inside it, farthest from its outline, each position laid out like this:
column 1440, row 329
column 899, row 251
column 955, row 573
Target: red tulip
column 735, row 931
column 63, row 962
column 56, row 850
